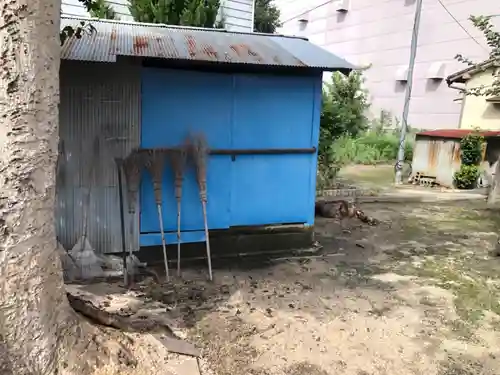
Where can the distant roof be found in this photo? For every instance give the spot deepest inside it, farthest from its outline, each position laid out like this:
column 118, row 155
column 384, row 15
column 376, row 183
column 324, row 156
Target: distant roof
column 458, row 133
column 119, row 38
column 465, row 74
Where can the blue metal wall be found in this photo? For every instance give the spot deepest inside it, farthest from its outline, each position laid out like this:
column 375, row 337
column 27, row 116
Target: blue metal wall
column 234, row 112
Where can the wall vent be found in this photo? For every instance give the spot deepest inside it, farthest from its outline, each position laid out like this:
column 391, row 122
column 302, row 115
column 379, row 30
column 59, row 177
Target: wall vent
column 343, row 5
column 437, row 71
column 402, row 73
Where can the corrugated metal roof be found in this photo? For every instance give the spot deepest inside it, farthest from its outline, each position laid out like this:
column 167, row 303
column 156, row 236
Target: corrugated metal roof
column 457, row 133
column 116, row 38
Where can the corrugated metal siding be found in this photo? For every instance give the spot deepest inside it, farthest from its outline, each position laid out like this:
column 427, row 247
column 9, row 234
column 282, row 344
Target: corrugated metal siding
column 438, row 158
column 420, row 155
column 97, row 100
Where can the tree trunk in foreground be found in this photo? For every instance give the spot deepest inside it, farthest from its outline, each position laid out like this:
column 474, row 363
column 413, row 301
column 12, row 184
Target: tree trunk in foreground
column 35, row 318
column 494, row 180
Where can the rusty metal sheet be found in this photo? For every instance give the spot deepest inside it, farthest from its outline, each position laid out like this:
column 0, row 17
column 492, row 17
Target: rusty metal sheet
column 114, row 38
column 438, row 158
column 433, row 157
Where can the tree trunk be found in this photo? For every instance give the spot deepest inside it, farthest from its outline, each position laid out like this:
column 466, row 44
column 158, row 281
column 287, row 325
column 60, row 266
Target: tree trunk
column 35, row 317
column 494, row 183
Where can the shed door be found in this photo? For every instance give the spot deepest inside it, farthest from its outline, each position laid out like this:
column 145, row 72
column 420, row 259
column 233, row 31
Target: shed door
column 173, row 103
column 272, row 112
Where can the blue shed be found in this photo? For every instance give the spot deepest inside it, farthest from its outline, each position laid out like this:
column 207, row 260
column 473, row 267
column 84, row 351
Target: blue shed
column 256, row 98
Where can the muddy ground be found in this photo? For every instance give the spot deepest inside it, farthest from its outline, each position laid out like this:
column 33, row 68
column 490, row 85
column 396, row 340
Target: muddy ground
column 418, row 294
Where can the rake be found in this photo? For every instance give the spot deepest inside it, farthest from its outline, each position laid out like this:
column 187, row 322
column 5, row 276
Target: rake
column 199, row 150
column 132, row 168
column 155, row 164
column 178, row 158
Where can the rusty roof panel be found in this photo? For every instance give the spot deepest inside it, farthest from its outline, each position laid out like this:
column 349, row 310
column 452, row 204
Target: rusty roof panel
column 114, row 38
column 457, row 133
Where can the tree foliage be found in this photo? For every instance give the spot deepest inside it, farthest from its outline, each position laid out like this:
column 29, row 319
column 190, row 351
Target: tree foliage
column 343, row 113
column 344, row 107
column 267, row 17
column 103, row 10
column 199, row 13
column 492, row 36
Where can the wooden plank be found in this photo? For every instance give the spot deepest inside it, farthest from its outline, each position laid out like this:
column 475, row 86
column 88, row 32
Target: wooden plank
column 178, row 346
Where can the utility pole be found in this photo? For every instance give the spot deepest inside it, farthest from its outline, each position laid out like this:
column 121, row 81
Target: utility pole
column 409, row 84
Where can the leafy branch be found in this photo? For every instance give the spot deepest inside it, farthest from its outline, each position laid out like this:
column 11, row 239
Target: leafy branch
column 83, row 27
column 492, row 36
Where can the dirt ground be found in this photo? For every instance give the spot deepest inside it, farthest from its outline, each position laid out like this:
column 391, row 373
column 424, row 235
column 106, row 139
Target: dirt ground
column 418, row 294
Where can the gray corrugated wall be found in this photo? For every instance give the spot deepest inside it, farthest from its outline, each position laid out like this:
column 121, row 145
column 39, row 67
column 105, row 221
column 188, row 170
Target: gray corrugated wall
column 98, row 101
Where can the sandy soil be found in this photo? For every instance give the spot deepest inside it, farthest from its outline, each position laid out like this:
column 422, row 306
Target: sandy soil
column 419, row 294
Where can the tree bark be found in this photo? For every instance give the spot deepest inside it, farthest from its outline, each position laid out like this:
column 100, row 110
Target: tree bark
column 35, row 317
column 494, row 183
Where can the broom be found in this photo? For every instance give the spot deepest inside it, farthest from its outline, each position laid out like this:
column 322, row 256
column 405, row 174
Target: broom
column 199, row 149
column 90, row 180
column 178, row 161
column 155, row 165
column 132, row 168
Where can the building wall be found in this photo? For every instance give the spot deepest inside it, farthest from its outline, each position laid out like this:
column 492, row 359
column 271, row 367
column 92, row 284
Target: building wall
column 98, row 101
column 477, row 112
column 74, row 8
column 245, row 111
column 378, row 33
column 238, row 14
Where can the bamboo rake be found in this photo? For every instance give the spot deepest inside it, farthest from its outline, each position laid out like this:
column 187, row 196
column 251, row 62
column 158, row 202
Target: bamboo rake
column 132, row 167
column 178, row 161
column 199, row 149
column 90, row 180
column 155, row 165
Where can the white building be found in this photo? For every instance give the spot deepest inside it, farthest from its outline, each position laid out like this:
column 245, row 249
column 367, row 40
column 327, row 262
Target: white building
column 238, row 14
column 378, row 33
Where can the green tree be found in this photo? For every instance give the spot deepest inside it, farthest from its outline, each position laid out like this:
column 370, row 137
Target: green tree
column 267, row 17
column 344, row 107
column 492, row 36
column 103, row 10
column 343, row 112
column 200, row 13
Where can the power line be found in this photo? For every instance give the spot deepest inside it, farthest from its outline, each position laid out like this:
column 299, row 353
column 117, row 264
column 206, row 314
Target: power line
column 461, row 26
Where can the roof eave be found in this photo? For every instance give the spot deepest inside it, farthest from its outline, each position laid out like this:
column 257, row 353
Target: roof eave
column 464, row 75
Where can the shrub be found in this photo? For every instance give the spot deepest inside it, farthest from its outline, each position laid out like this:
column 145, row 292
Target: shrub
column 470, row 152
column 471, row 149
column 343, row 110
column 466, row 177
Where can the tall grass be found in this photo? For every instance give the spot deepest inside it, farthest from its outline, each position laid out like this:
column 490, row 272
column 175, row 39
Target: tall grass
column 369, row 148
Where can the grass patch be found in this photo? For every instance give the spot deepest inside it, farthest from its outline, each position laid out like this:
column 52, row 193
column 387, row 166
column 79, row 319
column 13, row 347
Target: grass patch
column 473, row 295
column 447, row 246
column 377, row 176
